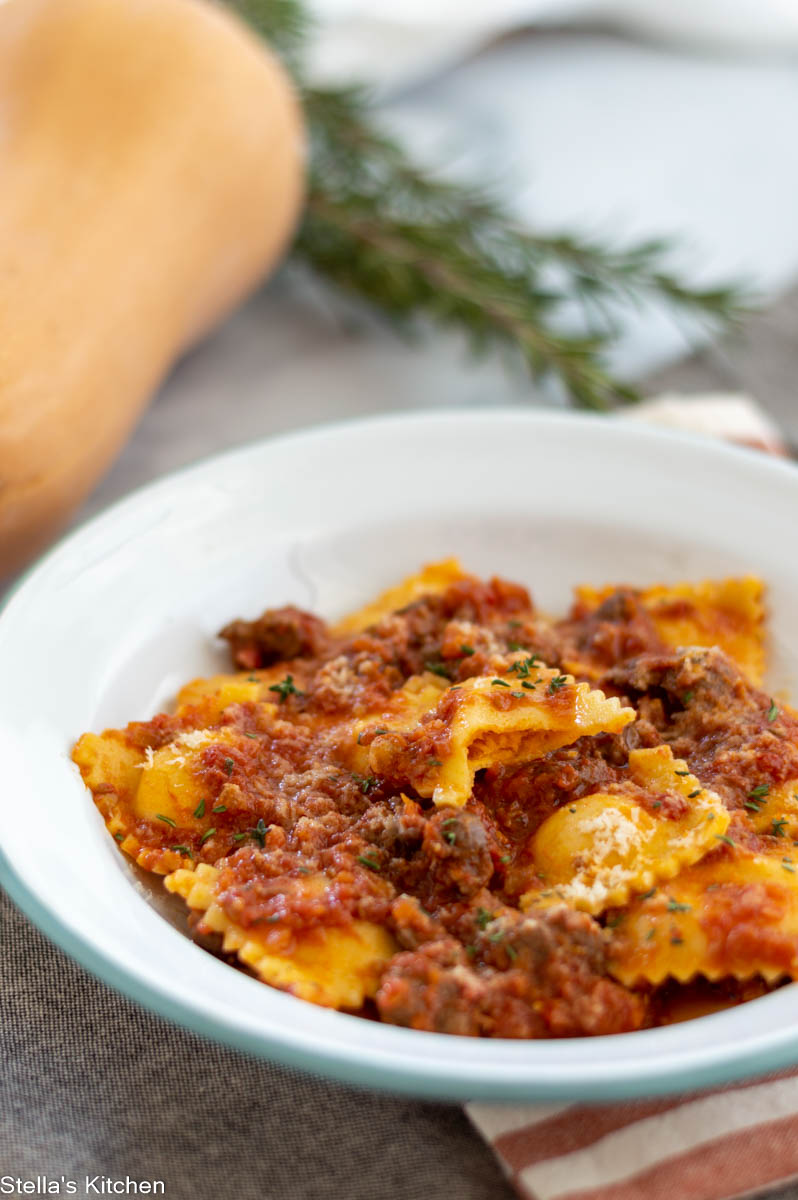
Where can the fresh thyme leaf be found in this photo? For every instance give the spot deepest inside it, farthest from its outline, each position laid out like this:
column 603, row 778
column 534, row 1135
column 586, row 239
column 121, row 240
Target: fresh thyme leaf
column 761, row 790
column 687, row 697
column 675, row 906
column 522, row 667
column 199, row 811
column 773, row 712
column 778, row 825
column 466, row 649
column 500, row 683
column 228, row 766
column 692, row 795
column 371, row 863
column 285, row 688
column 483, row 917
column 166, row 820
column 365, row 782
column 183, row 850
column 721, row 837
column 259, row 832
column 207, row 834
column 217, row 808
column 559, row 681
column 438, row 668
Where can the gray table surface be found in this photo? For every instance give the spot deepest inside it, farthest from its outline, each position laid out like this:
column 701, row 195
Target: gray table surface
column 90, row 1083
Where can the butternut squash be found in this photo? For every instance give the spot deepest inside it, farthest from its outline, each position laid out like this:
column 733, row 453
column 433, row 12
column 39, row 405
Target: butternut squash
column 151, row 168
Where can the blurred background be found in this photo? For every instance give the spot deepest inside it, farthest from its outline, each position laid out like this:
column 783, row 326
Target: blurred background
column 622, row 119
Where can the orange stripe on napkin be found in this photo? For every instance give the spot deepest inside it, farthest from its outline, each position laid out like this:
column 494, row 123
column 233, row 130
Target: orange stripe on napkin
column 733, row 1166
column 729, row 1142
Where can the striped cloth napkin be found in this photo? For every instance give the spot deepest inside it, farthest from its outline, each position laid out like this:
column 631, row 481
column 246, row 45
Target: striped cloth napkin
column 710, row 1145
column 733, row 1141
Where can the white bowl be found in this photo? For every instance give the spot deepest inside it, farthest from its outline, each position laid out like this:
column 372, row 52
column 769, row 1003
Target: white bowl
column 110, row 622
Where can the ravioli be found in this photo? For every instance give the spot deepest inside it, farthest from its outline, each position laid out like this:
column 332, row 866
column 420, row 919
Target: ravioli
column 728, row 613
column 334, row 966
column 730, row 917
column 598, row 850
column 210, row 698
column 431, row 580
column 143, row 792
column 774, row 809
column 489, row 720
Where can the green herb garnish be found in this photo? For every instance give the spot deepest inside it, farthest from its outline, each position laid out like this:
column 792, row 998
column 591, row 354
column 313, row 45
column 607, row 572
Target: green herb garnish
column 371, row 863
column 365, row 782
column 438, row 668
column 523, row 666
column 285, row 688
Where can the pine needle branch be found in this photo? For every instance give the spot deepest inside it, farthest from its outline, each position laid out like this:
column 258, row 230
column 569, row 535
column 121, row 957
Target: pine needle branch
column 418, row 246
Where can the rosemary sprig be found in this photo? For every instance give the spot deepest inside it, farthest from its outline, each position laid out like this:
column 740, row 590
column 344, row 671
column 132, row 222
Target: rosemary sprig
column 419, row 246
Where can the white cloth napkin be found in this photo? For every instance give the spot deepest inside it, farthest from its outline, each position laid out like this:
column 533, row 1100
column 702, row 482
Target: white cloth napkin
column 395, row 43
